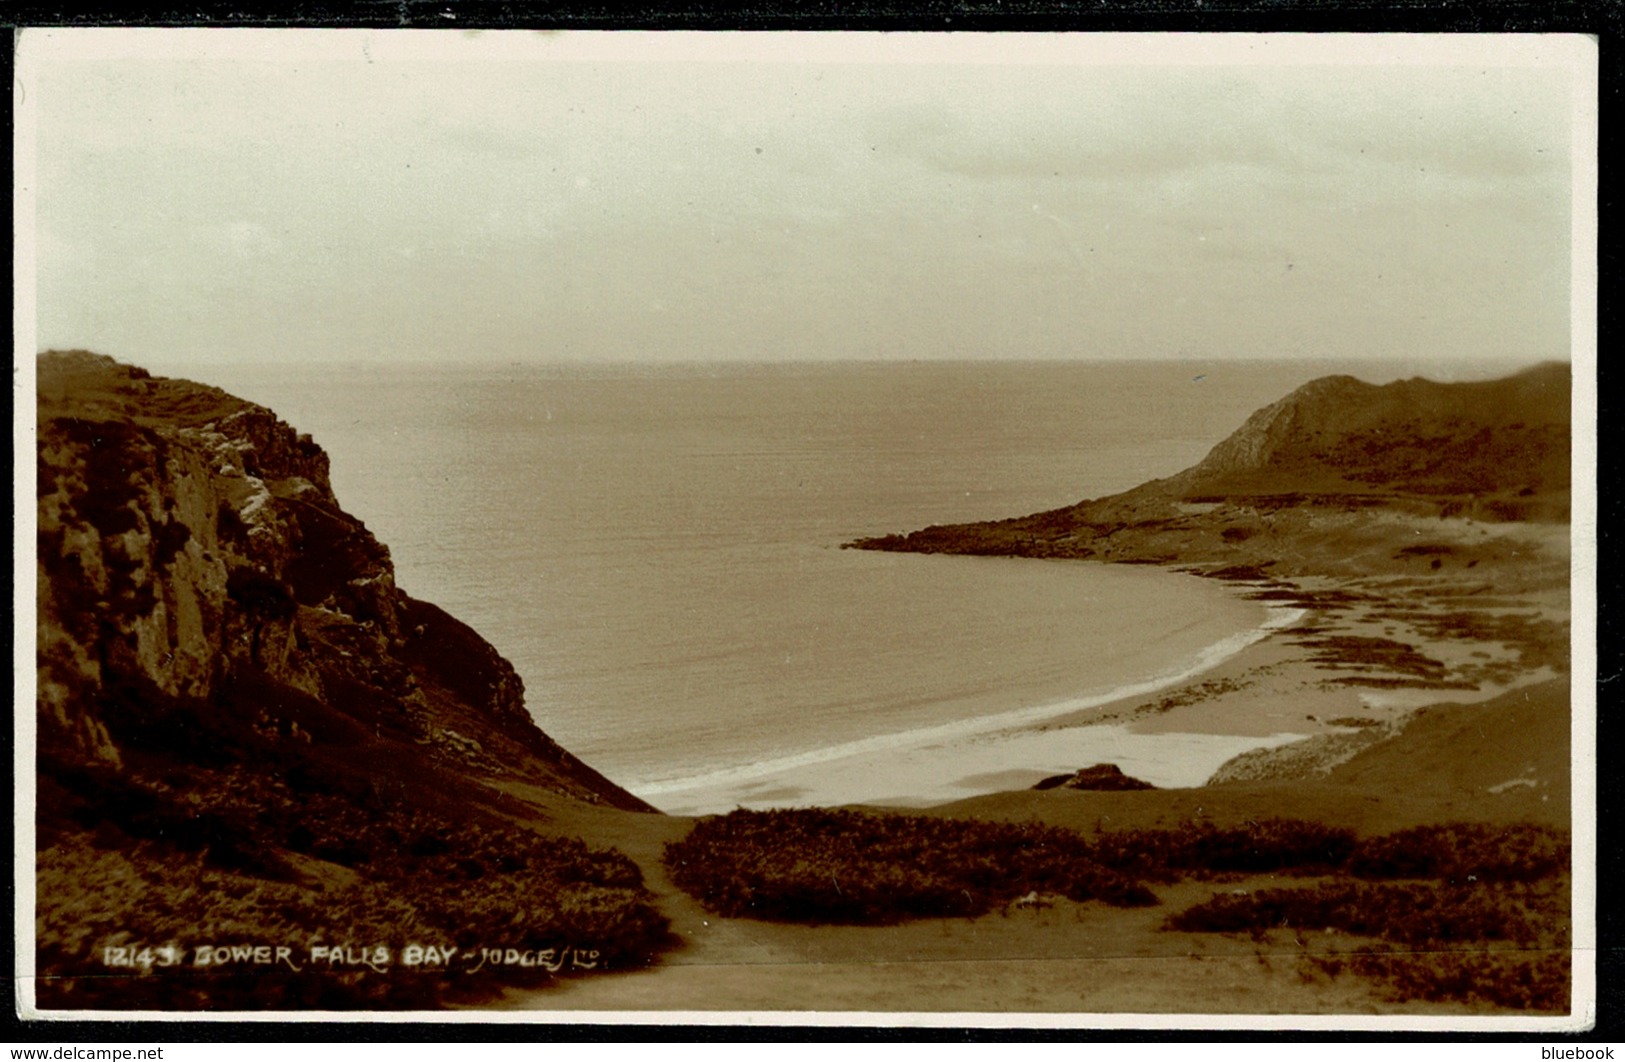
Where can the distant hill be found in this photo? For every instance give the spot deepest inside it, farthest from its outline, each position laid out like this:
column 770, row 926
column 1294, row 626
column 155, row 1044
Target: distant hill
column 1470, row 442
column 1493, row 451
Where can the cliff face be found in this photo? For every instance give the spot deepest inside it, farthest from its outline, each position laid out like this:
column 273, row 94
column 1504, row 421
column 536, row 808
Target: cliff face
column 249, row 735
column 192, row 554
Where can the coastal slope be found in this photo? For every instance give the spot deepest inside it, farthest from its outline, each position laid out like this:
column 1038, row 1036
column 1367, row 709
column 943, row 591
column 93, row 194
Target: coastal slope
column 1317, row 464
column 231, row 687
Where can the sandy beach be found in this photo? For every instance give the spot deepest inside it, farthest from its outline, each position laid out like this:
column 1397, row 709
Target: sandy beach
column 1302, row 692
column 1007, row 749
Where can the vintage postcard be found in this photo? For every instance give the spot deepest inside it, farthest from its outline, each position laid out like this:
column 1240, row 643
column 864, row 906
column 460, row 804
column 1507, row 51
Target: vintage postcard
column 1016, row 529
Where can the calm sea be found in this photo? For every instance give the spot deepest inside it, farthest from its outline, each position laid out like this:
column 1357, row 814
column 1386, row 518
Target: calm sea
column 656, row 549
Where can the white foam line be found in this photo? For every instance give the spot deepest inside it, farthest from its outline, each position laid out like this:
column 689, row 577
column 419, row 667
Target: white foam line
column 1209, row 657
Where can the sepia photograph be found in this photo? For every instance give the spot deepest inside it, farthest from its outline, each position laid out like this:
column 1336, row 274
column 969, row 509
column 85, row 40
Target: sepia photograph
column 964, row 529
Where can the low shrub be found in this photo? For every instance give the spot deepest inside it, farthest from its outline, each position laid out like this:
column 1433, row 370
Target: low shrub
column 1200, row 848
column 1463, row 852
column 224, row 858
column 556, row 894
column 815, row 865
column 820, row 866
column 1513, row 980
column 1406, row 914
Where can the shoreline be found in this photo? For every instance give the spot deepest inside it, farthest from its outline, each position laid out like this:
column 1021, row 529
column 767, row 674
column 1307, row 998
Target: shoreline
column 1292, row 697
column 926, row 765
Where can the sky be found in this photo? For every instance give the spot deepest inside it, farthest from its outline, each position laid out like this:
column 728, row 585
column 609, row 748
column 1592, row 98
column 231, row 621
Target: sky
column 249, row 196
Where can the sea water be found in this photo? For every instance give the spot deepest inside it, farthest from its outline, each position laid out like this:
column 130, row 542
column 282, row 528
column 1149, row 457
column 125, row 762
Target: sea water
column 657, row 548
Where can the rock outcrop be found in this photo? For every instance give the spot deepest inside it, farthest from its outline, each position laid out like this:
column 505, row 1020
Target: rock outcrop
column 1105, row 777
column 192, row 559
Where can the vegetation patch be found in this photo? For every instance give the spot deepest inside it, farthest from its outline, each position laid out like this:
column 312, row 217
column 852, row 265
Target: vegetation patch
column 224, row 829
column 1424, row 551
column 1193, row 694
column 1464, row 913
column 820, row 866
column 1242, row 573
column 1506, row 978
column 1197, row 849
column 1538, row 641
column 1405, row 914
column 1354, row 652
column 1462, row 853
column 1457, row 912
column 1314, row 600
column 145, row 912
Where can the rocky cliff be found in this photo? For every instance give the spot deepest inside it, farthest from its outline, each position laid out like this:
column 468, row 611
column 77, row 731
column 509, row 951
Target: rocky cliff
column 190, row 547
column 248, row 734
